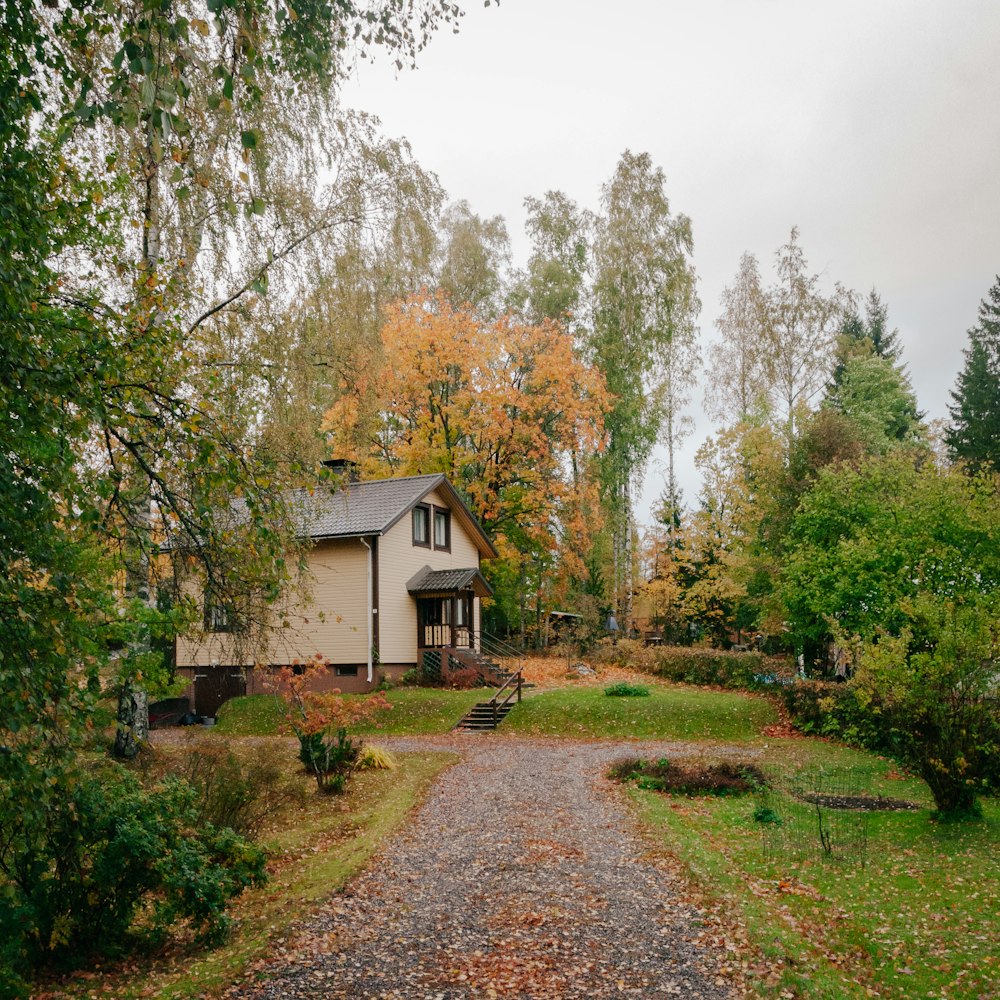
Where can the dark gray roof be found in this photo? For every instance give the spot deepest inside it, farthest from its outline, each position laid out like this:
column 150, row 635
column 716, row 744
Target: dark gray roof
column 439, row 581
column 367, row 508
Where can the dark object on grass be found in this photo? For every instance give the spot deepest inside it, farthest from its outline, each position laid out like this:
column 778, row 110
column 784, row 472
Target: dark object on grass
column 728, row 778
column 626, row 690
column 863, row 803
column 190, row 720
column 766, row 815
column 168, row 712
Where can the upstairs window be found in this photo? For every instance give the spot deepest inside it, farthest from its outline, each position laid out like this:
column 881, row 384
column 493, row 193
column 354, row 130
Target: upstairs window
column 421, row 526
column 220, row 616
column 442, row 529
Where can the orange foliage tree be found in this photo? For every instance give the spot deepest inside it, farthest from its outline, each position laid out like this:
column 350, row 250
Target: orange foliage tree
column 507, row 410
column 320, row 720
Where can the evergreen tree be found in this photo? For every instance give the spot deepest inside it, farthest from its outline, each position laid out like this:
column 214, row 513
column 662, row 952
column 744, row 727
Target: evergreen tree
column 861, row 336
column 974, row 436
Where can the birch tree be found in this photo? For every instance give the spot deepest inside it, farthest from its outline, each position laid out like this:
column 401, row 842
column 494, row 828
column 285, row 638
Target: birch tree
column 644, row 295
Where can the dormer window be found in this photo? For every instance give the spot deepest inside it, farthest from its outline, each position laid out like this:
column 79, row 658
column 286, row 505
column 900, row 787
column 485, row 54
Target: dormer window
column 421, row 525
column 442, row 529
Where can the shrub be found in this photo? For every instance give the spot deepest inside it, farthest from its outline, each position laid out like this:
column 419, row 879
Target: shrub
column 727, row 778
column 626, row 690
column 939, row 695
column 329, row 760
column 241, row 794
column 460, row 676
column 717, row 668
column 375, row 758
column 840, row 712
column 411, row 678
column 110, row 851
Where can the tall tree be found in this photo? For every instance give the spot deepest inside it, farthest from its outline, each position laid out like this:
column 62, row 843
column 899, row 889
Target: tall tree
column 500, row 406
column 801, row 326
column 974, row 434
column 644, row 294
column 738, row 372
column 474, row 258
column 554, row 285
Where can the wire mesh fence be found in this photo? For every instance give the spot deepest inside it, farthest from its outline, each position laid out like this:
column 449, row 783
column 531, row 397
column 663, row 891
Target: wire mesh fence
column 819, row 813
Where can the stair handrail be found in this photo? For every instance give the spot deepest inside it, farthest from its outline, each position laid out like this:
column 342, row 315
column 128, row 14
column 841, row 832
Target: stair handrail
column 493, row 646
column 516, row 690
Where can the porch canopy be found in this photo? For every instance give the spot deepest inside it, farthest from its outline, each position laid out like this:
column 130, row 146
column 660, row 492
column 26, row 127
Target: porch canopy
column 444, row 582
column 445, row 606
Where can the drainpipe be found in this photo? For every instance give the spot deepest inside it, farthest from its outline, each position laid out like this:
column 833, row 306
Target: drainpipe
column 370, row 596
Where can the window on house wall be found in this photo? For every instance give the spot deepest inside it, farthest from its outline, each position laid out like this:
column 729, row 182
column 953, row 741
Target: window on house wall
column 220, row 616
column 442, row 529
column 462, row 611
column 347, row 672
column 421, row 526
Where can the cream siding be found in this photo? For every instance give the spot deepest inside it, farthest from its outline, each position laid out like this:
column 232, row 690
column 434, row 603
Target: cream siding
column 399, row 560
column 332, row 621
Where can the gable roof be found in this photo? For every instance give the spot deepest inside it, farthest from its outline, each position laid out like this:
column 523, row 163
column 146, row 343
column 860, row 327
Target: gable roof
column 372, row 507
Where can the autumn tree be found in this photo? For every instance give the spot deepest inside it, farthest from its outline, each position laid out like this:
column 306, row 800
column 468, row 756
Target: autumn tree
column 554, row 285
column 499, row 406
column 643, row 296
column 974, row 434
column 473, row 259
column 738, row 369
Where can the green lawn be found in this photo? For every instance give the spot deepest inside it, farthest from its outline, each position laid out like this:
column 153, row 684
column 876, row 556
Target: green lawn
column 254, row 715
column 920, row 919
column 414, row 710
column 423, row 710
column 668, row 713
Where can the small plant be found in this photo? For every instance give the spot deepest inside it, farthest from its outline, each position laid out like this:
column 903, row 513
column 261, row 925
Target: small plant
column 625, row 690
column 411, row 678
column 375, row 758
column 329, row 760
column 767, row 816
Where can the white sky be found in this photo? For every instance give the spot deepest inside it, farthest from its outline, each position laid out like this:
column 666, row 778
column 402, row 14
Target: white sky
column 873, row 125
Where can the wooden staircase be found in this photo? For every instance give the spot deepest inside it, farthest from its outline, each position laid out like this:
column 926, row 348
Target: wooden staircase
column 483, row 717
column 498, row 664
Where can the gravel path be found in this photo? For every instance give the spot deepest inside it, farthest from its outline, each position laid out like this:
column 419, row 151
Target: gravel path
column 519, row 876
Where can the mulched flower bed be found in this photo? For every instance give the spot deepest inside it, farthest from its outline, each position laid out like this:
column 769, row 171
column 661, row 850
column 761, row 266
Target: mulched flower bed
column 862, row 803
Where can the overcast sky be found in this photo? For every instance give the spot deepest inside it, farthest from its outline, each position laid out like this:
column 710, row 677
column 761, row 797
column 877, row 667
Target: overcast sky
column 873, row 125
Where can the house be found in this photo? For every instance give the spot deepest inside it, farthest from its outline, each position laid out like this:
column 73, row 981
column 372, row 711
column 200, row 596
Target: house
column 393, row 573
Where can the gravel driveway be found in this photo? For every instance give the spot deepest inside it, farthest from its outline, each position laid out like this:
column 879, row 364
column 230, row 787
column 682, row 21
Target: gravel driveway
column 520, row 876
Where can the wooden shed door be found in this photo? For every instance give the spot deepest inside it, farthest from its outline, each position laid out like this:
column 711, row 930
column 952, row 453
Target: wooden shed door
column 215, row 685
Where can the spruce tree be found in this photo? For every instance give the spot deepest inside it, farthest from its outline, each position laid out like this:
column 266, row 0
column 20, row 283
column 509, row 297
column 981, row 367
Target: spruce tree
column 974, row 436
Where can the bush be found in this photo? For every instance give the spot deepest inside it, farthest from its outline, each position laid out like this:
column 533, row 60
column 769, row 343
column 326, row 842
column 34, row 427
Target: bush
column 717, row 668
column 626, row 690
column 329, row 760
column 239, row 794
column 726, row 778
column 840, row 712
column 110, row 851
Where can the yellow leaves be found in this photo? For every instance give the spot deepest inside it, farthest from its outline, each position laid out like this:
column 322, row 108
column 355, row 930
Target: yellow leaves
column 497, row 405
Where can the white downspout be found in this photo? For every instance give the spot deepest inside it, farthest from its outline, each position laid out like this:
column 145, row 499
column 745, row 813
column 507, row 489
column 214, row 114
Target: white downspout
column 370, row 595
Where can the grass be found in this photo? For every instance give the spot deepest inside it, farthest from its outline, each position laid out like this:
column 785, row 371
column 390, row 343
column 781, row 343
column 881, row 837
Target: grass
column 668, row 713
column 423, row 710
column 252, row 715
column 918, row 921
column 414, row 710
column 313, row 852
